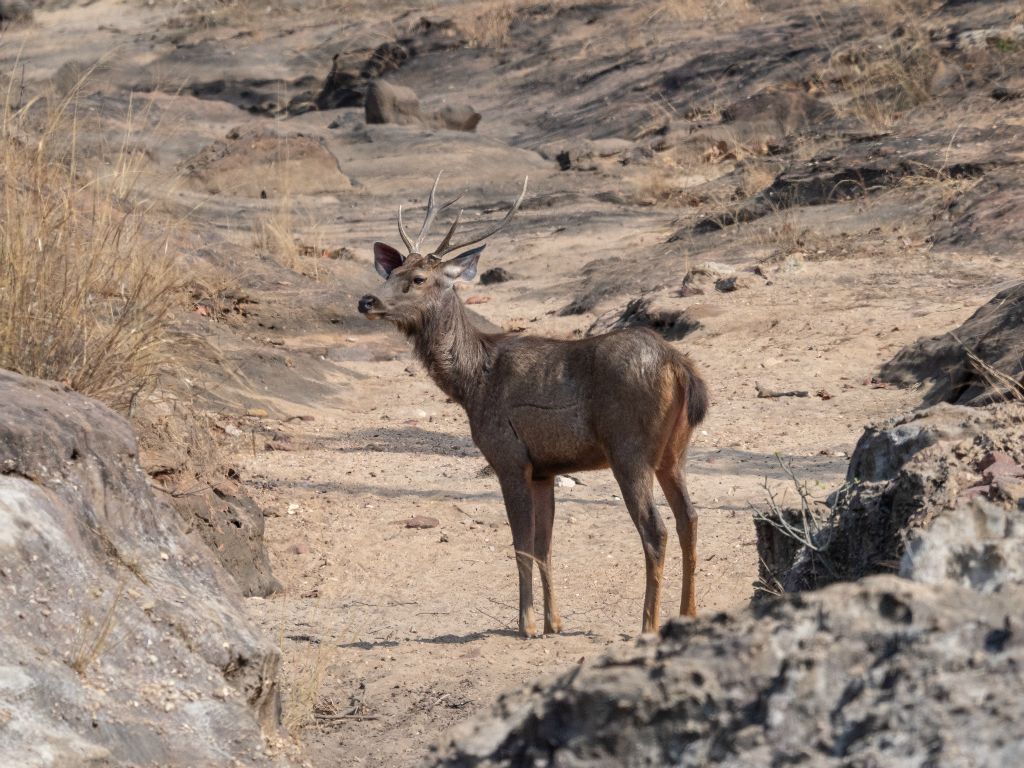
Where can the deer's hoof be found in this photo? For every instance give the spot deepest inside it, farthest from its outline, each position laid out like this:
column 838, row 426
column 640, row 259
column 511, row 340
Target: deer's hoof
column 552, row 627
column 528, row 630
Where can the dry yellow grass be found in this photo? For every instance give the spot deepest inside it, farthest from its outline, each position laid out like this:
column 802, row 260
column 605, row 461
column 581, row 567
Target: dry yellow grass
column 85, row 291
column 877, row 79
column 490, row 27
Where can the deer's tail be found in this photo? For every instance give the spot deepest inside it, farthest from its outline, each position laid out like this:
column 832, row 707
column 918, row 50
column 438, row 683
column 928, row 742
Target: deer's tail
column 693, row 388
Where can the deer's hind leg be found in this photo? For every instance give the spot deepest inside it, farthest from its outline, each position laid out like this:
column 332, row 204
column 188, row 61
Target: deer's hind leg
column 637, row 486
column 516, row 490
column 672, row 478
column 544, row 520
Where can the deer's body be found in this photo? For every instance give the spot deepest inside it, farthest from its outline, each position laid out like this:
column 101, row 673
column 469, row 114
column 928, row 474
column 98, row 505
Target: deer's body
column 539, row 407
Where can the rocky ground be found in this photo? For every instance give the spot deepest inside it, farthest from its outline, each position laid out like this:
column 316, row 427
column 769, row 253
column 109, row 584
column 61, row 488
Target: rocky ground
column 791, row 192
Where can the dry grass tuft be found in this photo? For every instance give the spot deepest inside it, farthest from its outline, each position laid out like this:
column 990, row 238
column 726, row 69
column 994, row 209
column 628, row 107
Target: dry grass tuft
column 85, row 292
column 491, row 27
column 94, row 636
column 879, row 78
column 276, row 236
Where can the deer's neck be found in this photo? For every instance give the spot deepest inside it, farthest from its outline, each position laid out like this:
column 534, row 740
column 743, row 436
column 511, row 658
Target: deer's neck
column 454, row 352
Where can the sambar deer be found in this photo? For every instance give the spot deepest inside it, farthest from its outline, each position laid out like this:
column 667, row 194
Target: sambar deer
column 539, row 407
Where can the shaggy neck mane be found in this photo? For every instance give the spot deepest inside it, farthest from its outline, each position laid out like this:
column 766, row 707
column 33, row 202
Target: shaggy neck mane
column 453, row 351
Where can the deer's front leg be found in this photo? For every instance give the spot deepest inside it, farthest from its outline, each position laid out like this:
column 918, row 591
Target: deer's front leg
column 515, row 488
column 543, row 522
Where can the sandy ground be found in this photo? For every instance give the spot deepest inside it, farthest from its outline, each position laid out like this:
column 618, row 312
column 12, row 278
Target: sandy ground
column 390, row 634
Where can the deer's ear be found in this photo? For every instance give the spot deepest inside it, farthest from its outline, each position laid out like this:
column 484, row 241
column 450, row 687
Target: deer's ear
column 462, row 266
column 385, row 259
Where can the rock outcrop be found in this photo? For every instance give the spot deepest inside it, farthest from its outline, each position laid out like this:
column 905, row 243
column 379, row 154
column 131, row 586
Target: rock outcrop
column 263, row 163
column 979, row 362
column 124, row 641
column 937, row 495
column 881, row 672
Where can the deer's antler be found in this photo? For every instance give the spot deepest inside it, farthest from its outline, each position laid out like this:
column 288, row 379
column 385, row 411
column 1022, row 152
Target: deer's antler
column 432, row 210
column 446, row 245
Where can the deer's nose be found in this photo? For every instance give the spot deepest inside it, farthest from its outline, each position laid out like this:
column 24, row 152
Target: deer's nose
column 367, row 303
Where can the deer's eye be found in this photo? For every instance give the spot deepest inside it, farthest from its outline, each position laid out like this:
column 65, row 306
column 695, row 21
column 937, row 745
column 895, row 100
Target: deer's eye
column 419, row 280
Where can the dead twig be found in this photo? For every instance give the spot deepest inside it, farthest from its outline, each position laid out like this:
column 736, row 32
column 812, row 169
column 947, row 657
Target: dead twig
column 763, row 392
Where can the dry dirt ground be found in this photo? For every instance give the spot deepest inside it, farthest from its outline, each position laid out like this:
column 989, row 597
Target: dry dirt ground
column 390, row 634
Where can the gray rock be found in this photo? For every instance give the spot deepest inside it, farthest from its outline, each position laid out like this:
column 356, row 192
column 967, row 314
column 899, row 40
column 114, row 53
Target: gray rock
column 124, row 642
column 388, row 103
column 457, row 117
column 978, row 545
column 882, row 672
column 911, row 496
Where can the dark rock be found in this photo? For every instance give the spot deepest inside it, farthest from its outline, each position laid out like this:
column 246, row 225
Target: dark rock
column 728, row 284
column 387, row 57
column 837, row 677
column 231, row 523
column 343, row 87
column 672, row 324
column 975, row 364
column 989, row 217
column 495, row 275
column 15, row 10
column 700, row 279
column 346, row 85
column 125, row 643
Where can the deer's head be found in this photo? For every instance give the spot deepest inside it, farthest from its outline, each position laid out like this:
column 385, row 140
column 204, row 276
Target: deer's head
column 416, row 282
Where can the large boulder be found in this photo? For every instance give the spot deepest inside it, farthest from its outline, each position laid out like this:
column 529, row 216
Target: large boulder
column 937, row 495
column 982, row 361
column 124, row 642
column 389, row 103
column 881, row 672
column 397, row 104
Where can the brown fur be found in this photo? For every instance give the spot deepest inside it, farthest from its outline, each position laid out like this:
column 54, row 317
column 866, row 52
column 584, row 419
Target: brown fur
column 539, row 407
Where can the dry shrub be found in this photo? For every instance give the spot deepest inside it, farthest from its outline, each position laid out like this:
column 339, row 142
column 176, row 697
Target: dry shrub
column 85, row 292
column 290, row 237
column 491, row 27
column 878, row 78
column 665, row 184
column 274, row 235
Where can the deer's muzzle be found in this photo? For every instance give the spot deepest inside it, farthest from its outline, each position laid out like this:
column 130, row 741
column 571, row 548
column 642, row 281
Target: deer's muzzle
column 368, row 303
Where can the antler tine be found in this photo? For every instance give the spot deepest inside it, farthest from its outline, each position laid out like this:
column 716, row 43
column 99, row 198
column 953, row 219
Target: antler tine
column 451, row 202
column 428, row 218
column 448, row 238
column 403, row 233
column 444, row 248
